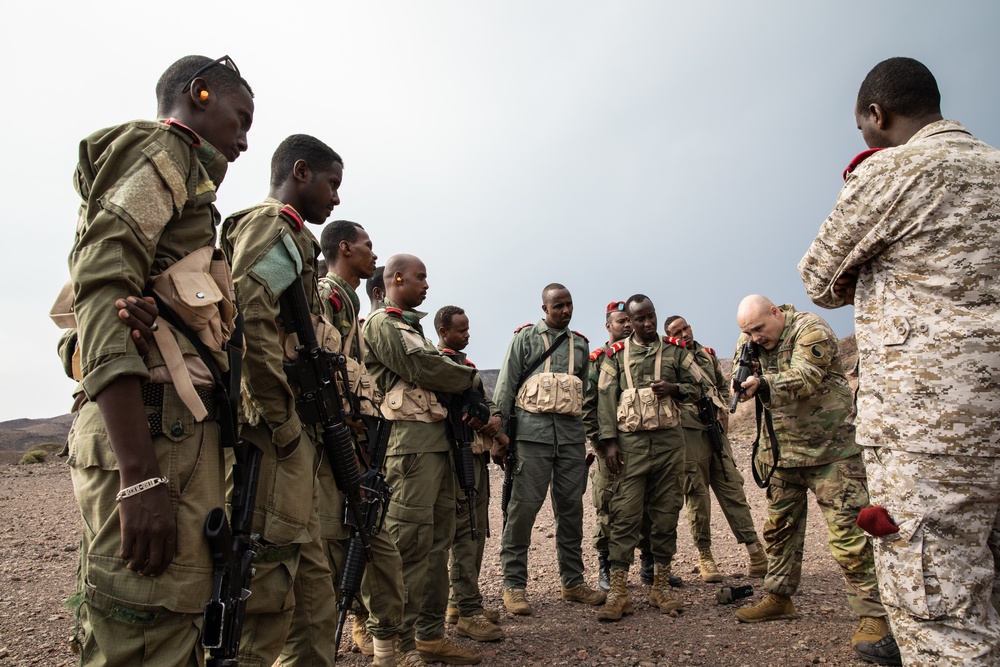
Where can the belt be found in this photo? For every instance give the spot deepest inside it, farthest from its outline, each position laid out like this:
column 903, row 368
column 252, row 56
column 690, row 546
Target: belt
column 152, row 398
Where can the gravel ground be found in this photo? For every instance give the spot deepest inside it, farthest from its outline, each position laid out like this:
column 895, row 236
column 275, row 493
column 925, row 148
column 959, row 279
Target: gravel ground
column 39, row 536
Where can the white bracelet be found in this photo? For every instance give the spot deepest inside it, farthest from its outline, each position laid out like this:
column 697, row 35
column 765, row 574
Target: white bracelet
column 140, row 487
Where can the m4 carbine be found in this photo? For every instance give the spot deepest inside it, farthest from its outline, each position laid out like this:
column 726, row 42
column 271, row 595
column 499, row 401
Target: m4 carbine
column 745, row 364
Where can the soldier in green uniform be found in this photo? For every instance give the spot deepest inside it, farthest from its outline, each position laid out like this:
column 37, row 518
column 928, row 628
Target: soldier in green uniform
column 348, row 250
column 465, row 602
column 269, row 248
column 642, row 380
column 409, row 370
column 802, row 385
column 617, row 324
column 375, row 289
column 144, row 450
column 550, row 447
column 705, row 468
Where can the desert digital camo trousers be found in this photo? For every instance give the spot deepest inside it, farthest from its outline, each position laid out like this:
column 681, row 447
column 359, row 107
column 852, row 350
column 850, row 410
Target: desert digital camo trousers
column 703, row 471
column 601, row 496
column 466, row 553
column 841, row 492
column 940, row 574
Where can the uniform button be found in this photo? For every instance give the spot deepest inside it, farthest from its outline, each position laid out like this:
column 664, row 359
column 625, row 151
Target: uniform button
column 922, row 328
column 200, row 295
column 901, row 330
column 177, row 430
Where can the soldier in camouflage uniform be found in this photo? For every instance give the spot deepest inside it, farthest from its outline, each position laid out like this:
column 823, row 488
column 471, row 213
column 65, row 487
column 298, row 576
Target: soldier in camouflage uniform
column 410, row 371
column 707, row 469
column 912, row 244
column 642, row 380
column 807, row 401
column 269, row 248
column 465, row 602
column 146, row 462
column 550, row 447
column 348, row 250
column 617, row 324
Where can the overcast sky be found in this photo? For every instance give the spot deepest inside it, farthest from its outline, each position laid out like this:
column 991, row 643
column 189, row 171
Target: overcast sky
column 688, row 151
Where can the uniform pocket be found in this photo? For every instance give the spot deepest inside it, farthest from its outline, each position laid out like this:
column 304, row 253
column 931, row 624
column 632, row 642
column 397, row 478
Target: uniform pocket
column 911, row 584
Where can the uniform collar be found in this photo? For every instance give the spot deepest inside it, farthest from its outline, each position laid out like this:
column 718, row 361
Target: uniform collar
column 410, row 316
column 346, row 288
column 938, row 127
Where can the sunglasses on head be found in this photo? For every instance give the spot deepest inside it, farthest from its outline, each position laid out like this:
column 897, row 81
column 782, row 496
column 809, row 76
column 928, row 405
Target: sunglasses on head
column 225, row 61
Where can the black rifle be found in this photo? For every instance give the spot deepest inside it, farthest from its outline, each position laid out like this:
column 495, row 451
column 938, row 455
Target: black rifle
column 470, row 403
column 510, row 460
column 319, row 401
column 709, row 416
column 748, row 354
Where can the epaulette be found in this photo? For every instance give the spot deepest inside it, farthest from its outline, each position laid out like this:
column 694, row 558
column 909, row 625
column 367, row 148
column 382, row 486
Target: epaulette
column 710, row 351
column 523, row 326
column 469, row 363
column 293, row 215
column 858, row 159
column 596, row 354
column 616, row 347
column 675, row 341
column 581, row 336
column 195, row 139
column 394, row 312
column 334, row 298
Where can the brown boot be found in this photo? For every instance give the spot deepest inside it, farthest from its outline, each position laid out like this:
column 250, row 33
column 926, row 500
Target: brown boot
column 617, row 604
column 709, row 570
column 758, row 562
column 585, row 594
column 660, row 595
column 359, row 633
column 516, row 601
column 451, row 616
column 443, row 649
column 772, row 608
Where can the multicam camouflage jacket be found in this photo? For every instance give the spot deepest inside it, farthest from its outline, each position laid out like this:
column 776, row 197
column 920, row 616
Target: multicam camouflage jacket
column 809, row 396
column 921, row 222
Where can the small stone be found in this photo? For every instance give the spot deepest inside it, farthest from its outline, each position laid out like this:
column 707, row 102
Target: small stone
column 582, row 654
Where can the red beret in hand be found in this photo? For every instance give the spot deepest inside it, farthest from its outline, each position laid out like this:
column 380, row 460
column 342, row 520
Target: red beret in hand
column 875, row 521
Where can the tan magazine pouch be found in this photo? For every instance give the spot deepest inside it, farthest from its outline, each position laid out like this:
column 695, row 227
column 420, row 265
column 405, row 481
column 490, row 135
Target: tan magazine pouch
column 722, row 412
column 64, row 317
column 408, row 402
column 362, row 384
column 641, row 409
column 553, row 393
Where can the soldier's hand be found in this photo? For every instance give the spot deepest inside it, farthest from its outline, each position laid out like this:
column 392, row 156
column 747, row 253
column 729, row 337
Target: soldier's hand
column 498, row 452
column 492, row 427
column 845, row 284
column 149, row 534
column 139, row 315
column 613, row 457
column 663, row 389
column 750, row 387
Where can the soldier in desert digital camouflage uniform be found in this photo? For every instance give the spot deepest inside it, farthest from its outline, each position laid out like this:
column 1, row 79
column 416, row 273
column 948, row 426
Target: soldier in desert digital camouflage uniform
column 912, row 244
column 805, row 394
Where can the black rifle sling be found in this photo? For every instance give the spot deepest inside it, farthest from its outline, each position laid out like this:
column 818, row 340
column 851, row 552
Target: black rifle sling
column 541, row 360
column 766, row 481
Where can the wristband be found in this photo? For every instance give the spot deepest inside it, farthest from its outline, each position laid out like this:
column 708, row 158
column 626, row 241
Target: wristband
column 140, row 487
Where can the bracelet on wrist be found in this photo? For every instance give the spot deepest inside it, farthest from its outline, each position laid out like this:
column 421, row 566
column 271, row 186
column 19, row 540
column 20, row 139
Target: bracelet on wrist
column 140, row 487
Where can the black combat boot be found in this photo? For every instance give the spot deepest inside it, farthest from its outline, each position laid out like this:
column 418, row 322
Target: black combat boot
column 646, row 568
column 603, row 572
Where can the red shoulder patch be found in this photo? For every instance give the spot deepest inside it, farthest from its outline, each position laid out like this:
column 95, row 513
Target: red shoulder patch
column 394, row 312
column 469, row 363
column 711, row 351
column 858, row 159
column 523, row 326
column 577, row 333
column 293, row 215
column 596, row 354
column 334, row 298
column 616, row 347
column 674, row 341
column 195, row 139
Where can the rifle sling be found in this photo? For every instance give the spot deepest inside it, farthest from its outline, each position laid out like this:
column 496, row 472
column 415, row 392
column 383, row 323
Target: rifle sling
column 766, row 481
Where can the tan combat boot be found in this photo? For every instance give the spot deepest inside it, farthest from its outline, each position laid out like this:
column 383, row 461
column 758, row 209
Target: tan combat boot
column 772, row 608
column 585, row 594
column 444, row 649
column 709, row 570
column 359, row 633
column 660, row 595
column 617, row 604
column 387, row 652
column 451, row 616
column 479, row 628
column 758, row 561
column 516, row 601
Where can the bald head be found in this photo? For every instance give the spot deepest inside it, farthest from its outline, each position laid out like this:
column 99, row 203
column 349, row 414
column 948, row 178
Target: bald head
column 760, row 319
column 406, row 280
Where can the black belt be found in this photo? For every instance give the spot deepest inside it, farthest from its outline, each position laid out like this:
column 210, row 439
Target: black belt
column 152, row 398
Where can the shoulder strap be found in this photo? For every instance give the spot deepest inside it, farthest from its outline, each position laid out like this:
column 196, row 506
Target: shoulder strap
column 538, row 362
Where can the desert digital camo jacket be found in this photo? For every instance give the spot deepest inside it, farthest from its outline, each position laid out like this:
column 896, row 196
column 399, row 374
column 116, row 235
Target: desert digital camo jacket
column 922, row 221
column 810, row 399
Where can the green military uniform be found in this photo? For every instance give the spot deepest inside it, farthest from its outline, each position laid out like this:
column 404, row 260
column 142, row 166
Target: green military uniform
column 810, row 402
column 148, row 191
column 550, row 450
column 269, row 249
column 653, row 470
column 382, row 584
column 418, row 467
column 705, row 469
column 466, row 553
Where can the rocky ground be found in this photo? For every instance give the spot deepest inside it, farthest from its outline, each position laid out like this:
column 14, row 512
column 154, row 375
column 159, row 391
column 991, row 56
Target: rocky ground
column 39, row 534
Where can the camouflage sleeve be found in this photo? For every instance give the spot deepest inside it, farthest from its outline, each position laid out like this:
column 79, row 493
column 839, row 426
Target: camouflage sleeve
column 138, row 189
column 409, row 355
column 510, row 372
column 814, row 350
column 608, row 393
column 264, row 264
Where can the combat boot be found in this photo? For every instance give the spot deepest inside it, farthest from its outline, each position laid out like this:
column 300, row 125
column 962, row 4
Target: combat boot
column 387, row 653
column 603, row 572
column 646, row 568
column 451, row 616
column 585, row 594
column 660, row 595
column 772, row 608
column 709, row 570
column 443, row 649
column 758, row 562
column 516, row 601
column 617, row 604
column 478, row 628
column 359, row 633
column 874, row 642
